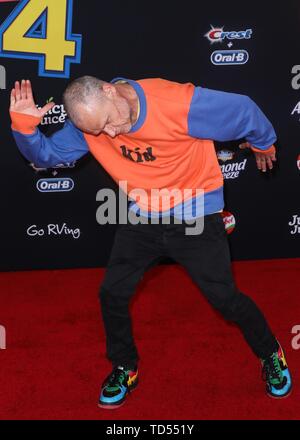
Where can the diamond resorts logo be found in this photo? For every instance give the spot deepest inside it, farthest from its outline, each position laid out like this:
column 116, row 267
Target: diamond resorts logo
column 230, row 170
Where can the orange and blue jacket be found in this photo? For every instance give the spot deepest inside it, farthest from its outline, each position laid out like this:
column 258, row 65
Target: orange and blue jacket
column 170, row 147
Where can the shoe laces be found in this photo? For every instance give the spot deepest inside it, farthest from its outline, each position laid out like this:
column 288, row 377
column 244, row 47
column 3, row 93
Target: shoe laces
column 272, row 370
column 117, row 378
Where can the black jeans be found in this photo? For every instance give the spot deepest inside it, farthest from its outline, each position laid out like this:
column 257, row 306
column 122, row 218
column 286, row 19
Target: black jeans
column 206, row 258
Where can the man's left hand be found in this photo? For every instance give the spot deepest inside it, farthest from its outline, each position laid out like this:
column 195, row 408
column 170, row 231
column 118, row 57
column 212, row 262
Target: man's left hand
column 264, row 160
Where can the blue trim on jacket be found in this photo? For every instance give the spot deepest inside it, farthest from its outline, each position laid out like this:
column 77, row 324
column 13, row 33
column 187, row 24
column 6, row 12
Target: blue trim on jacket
column 208, row 203
column 222, row 116
column 143, row 103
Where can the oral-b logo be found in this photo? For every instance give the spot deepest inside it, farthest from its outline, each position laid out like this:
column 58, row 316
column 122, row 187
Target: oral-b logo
column 55, row 185
column 229, row 57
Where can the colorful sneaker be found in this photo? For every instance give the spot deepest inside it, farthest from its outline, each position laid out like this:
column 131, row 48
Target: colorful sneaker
column 277, row 375
column 116, row 387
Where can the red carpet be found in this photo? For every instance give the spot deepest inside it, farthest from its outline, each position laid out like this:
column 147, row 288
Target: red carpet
column 193, row 364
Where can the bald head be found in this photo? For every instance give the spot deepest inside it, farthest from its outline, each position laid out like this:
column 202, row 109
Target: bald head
column 97, row 106
column 82, row 94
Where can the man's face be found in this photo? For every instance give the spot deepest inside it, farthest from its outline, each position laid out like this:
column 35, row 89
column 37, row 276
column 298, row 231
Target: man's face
column 109, row 115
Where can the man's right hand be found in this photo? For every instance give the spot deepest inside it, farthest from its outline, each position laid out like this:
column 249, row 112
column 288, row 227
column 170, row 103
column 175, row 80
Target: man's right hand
column 21, row 100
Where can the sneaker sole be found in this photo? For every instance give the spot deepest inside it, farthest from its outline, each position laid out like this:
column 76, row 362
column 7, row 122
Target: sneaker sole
column 100, row 405
column 280, row 397
column 118, row 405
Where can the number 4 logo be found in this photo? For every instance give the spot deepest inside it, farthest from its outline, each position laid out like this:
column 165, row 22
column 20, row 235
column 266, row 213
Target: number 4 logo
column 42, row 30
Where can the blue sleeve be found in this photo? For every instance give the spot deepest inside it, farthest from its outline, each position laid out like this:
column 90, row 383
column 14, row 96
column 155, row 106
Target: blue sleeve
column 64, row 146
column 223, row 116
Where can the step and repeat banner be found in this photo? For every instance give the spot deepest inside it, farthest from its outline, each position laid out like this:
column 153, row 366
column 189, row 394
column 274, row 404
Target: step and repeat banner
column 48, row 216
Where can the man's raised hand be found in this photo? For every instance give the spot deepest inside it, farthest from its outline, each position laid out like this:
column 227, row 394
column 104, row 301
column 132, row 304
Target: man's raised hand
column 21, row 100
